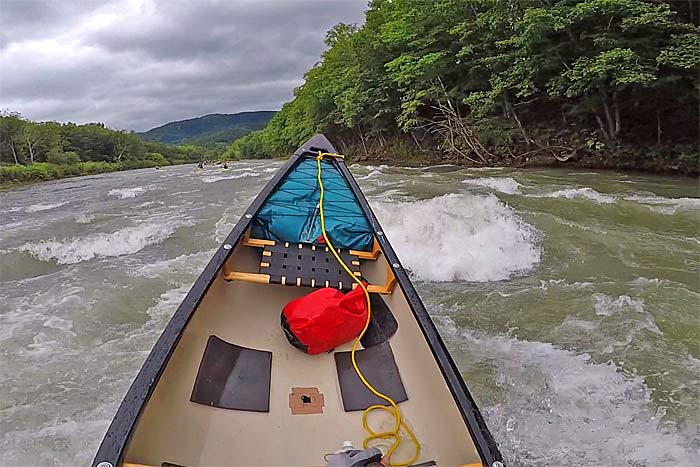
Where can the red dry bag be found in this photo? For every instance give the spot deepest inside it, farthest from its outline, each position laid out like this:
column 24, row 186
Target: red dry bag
column 324, row 319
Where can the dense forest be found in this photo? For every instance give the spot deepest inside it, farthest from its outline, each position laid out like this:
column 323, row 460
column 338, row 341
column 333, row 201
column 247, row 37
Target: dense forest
column 606, row 83
column 48, row 150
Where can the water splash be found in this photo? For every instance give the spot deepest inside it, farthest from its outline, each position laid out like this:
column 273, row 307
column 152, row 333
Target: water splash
column 124, row 241
column 218, row 178
column 563, row 409
column 124, row 193
column 476, row 238
column 668, row 206
column 578, row 193
column 505, row 185
column 44, row 206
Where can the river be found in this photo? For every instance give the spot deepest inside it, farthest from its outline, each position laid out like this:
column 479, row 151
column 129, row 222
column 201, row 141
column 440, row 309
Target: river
column 569, row 300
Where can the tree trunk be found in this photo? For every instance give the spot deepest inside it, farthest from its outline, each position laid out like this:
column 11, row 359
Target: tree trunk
column 14, row 151
column 602, row 128
column 121, row 153
column 343, row 145
column 658, row 127
column 511, row 112
column 31, row 149
column 610, row 130
column 690, row 9
column 616, row 109
column 362, row 139
column 415, row 140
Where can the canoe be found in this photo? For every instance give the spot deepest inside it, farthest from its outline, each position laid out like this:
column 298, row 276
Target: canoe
column 224, row 386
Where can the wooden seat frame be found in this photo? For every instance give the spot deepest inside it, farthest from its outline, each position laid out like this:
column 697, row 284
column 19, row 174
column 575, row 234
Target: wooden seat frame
column 230, row 275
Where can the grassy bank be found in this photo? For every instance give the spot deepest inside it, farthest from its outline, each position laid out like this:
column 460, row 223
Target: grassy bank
column 15, row 175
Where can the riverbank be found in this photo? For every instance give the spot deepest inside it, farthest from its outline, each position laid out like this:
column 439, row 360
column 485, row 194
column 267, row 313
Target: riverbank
column 12, row 176
column 393, row 154
column 660, row 161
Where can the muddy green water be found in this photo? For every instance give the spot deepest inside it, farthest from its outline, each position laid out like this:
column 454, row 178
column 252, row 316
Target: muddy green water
column 569, row 300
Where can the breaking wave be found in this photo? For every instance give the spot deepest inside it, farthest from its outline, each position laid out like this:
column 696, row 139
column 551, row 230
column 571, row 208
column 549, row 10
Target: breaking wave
column 124, row 193
column 44, row 206
column 121, row 242
column 666, row 205
column 580, row 193
column 568, row 400
column 217, row 178
column 84, row 218
column 460, row 237
column 225, row 223
column 504, row 185
column 620, row 325
column 607, row 306
column 372, row 174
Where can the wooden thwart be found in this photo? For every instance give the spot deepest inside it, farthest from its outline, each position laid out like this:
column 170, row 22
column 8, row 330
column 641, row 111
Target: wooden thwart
column 370, row 255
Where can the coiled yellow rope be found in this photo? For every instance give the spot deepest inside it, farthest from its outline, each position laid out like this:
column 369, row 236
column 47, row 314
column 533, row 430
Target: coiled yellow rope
column 394, row 409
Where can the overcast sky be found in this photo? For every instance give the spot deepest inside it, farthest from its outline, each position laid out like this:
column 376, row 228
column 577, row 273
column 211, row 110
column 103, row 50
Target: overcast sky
column 136, row 64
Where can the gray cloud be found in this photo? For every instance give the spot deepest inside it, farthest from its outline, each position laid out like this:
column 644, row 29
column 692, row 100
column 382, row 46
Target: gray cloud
column 137, row 64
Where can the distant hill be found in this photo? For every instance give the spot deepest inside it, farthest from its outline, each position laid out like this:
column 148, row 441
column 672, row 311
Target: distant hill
column 209, row 129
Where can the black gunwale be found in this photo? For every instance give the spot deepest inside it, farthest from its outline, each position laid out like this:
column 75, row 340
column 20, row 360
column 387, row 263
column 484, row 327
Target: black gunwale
column 118, row 435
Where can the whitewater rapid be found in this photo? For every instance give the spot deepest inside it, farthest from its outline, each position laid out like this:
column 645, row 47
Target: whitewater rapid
column 568, row 299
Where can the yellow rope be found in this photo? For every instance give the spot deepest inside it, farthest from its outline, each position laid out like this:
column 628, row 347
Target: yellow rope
column 394, row 409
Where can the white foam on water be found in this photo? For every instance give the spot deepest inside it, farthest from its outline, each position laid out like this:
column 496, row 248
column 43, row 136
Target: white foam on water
column 62, row 442
column 605, row 305
column 85, row 218
column 44, row 206
column 378, row 168
column 174, row 268
column 619, row 322
column 225, row 223
column 64, row 426
column 562, row 283
column 578, row 193
column 668, row 206
column 61, row 324
column 124, row 193
column 372, row 174
column 124, row 241
column 645, row 281
column 460, row 237
column 483, row 169
column 39, row 309
column 429, row 167
column 218, row 178
column 623, row 319
column 558, row 408
column 184, row 192
column 159, row 314
column 42, row 345
column 505, row 185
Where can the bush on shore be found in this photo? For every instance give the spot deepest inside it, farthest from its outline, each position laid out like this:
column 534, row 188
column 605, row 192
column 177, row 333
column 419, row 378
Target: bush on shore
column 42, row 171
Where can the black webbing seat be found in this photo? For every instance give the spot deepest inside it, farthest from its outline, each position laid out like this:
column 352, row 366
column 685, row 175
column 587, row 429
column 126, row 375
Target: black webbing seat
column 306, row 265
